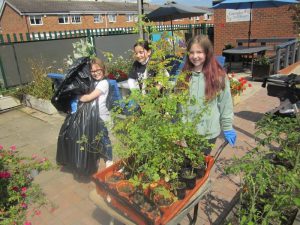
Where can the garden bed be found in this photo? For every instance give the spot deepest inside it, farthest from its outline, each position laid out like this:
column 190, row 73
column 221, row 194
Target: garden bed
column 39, row 104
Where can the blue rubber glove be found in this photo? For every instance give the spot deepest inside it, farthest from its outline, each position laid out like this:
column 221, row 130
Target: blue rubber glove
column 74, row 103
column 230, row 136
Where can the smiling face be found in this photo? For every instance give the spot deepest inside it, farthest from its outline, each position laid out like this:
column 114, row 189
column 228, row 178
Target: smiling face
column 141, row 55
column 197, row 57
column 97, row 72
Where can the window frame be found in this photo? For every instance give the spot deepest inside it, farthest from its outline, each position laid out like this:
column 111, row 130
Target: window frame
column 73, row 16
column 129, row 18
column 35, row 19
column 64, row 17
column 100, row 17
column 109, row 17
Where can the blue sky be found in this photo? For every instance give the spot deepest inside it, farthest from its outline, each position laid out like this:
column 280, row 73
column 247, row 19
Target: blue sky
column 207, row 3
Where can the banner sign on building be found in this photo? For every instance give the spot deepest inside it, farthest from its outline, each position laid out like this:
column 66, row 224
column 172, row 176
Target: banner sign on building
column 237, row 15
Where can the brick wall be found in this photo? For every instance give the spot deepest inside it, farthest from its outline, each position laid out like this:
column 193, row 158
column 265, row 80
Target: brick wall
column 266, row 23
column 11, row 22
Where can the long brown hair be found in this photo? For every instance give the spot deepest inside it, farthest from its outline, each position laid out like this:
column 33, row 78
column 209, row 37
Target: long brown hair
column 213, row 72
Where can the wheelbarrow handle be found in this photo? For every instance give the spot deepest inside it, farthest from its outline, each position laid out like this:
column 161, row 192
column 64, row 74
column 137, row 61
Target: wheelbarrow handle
column 220, row 149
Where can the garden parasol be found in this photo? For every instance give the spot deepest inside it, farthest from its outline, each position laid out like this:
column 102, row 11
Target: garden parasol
column 251, row 4
column 171, row 11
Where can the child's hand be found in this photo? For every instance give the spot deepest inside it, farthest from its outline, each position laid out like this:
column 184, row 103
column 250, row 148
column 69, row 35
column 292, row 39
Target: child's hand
column 230, row 136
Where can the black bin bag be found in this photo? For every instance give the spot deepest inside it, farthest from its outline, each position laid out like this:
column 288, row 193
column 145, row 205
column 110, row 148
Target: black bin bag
column 76, row 82
column 87, row 125
column 84, row 124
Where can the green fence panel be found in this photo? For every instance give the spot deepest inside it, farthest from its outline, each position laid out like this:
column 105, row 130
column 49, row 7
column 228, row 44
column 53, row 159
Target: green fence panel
column 15, row 37
column 8, row 38
column 28, row 37
column 21, row 37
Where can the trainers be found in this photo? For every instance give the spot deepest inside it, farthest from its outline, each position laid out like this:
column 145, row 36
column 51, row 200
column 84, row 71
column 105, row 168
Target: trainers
column 108, row 163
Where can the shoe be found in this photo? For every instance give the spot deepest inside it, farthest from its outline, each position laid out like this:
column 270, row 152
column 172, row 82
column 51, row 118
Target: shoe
column 108, row 163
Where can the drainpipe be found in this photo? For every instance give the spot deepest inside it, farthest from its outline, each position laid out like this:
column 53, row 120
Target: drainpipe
column 140, row 12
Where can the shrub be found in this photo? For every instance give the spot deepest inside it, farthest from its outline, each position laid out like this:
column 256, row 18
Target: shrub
column 41, row 85
column 17, row 189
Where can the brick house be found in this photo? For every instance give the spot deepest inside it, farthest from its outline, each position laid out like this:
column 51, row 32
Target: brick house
column 20, row 16
column 266, row 23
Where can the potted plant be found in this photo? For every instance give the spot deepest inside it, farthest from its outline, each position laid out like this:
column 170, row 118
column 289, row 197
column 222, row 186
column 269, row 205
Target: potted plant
column 237, row 86
column 189, row 176
column 162, row 197
column 125, row 188
column 113, row 178
column 261, row 68
column 118, row 67
column 179, row 188
column 38, row 93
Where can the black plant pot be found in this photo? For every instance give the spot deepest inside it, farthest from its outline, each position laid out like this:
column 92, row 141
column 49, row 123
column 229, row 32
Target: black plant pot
column 260, row 72
column 189, row 178
column 180, row 190
column 200, row 171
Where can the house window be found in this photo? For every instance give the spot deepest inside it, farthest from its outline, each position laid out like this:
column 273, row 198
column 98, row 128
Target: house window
column 130, row 18
column 136, row 18
column 207, row 17
column 75, row 18
column 197, row 18
column 112, row 18
column 98, row 19
column 36, row 20
column 64, row 19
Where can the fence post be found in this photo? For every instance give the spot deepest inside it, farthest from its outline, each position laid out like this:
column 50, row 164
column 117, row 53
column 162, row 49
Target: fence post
column 16, row 59
column 15, row 37
column 293, row 53
column 27, row 36
column 8, row 38
column 21, row 37
column 277, row 60
column 286, row 58
column 3, row 74
column 203, row 28
column 1, row 38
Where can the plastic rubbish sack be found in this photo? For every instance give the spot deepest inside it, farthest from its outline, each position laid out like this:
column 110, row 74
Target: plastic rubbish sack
column 86, row 125
column 76, row 82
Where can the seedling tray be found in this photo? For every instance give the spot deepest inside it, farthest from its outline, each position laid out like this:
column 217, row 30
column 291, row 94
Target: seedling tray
column 131, row 210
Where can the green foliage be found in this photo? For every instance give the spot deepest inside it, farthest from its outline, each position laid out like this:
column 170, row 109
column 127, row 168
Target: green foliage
column 17, row 190
column 120, row 63
column 228, row 46
column 82, row 48
column 41, row 85
column 160, row 117
column 262, row 60
column 271, row 173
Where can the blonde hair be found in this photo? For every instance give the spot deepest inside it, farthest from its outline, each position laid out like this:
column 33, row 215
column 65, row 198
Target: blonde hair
column 99, row 62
